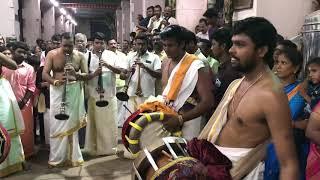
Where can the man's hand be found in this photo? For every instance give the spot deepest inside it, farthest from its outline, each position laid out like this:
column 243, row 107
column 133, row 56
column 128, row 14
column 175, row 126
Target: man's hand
column 97, row 72
column 171, row 123
column 45, row 84
column 21, row 104
column 141, row 64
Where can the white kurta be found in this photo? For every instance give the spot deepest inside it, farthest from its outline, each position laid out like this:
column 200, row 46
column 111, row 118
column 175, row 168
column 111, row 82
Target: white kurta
column 147, row 82
column 101, row 132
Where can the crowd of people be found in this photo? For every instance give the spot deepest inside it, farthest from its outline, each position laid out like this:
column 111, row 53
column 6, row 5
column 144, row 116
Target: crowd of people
column 240, row 89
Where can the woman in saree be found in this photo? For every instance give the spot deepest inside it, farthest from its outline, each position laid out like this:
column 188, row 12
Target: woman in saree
column 287, row 67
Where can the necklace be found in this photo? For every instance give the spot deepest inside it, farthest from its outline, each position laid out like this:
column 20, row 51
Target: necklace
column 234, row 108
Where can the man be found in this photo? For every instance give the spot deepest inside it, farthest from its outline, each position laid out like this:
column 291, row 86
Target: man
column 125, row 47
column 44, row 96
column 23, row 85
column 205, row 47
column 101, row 137
column 203, row 27
column 80, row 45
column 11, row 119
column 192, row 47
column 194, row 97
column 65, row 64
column 155, row 21
column 149, row 65
column 158, row 50
column 254, row 108
column 54, row 44
column 143, row 24
column 120, row 60
column 212, row 19
column 221, row 43
column 168, row 18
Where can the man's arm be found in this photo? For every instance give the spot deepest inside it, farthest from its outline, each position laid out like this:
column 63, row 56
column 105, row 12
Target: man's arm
column 84, row 75
column 47, row 68
column 153, row 73
column 277, row 114
column 313, row 128
column 204, row 88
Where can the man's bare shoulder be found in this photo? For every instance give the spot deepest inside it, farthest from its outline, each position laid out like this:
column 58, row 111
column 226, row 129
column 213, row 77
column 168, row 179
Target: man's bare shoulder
column 53, row 52
column 271, row 91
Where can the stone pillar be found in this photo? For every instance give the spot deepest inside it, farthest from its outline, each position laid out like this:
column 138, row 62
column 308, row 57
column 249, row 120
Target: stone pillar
column 119, row 24
column 126, row 19
column 48, row 22
column 7, row 14
column 32, row 17
column 188, row 14
column 60, row 24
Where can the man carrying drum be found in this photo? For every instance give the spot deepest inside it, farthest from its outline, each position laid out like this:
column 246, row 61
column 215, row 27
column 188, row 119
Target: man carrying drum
column 188, row 89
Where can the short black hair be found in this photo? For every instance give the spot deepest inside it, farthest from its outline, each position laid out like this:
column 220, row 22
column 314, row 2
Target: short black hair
column 56, row 37
column 279, row 38
column 67, row 35
column 158, row 6
column 211, row 12
column 174, row 31
column 99, row 36
column 288, row 43
column 293, row 55
column 142, row 36
column 203, row 20
column 21, row 45
column 126, row 41
column 190, row 37
column 133, row 34
column 222, row 36
column 150, row 7
column 38, row 41
column 4, row 48
column 314, row 60
column 206, row 42
column 261, row 32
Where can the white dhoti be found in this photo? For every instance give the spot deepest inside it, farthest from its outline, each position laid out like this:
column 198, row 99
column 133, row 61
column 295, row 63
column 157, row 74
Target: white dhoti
column 101, row 130
column 235, row 154
column 64, row 143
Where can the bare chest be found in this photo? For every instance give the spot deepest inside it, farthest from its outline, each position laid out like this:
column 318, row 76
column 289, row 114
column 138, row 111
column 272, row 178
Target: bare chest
column 245, row 109
column 59, row 62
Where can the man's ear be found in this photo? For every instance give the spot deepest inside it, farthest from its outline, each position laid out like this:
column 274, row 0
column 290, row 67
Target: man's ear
column 262, row 51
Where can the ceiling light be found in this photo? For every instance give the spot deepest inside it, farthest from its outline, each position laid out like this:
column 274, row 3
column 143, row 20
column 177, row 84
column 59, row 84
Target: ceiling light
column 54, row 2
column 63, row 11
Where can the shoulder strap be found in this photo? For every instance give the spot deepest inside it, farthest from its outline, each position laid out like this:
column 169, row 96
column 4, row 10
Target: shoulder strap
column 89, row 59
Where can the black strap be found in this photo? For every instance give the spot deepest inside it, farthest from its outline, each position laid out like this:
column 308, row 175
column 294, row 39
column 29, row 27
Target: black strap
column 89, row 60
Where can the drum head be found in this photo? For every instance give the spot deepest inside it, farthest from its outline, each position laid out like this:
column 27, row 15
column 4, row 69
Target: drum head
column 5, row 143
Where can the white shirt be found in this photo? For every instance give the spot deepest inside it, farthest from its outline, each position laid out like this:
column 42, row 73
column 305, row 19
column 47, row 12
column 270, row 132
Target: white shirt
column 154, row 24
column 150, row 60
column 109, row 77
column 203, row 36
